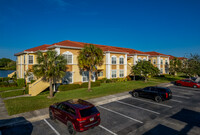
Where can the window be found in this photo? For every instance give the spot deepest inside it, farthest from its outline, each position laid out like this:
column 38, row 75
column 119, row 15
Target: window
column 100, row 73
column 139, row 59
column 121, row 60
column 69, row 57
column 166, row 62
column 161, row 61
column 67, row 109
column 154, row 61
column 114, row 60
column 88, row 111
column 114, row 73
column 30, row 59
column 85, row 75
column 30, row 77
column 144, row 59
column 161, row 70
column 68, row 78
column 121, row 73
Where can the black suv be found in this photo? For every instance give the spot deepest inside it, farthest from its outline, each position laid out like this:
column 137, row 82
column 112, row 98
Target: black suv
column 156, row 93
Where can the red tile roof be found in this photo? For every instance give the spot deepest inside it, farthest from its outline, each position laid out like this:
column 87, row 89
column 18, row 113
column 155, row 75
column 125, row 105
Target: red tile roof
column 156, row 54
column 103, row 47
column 41, row 47
column 180, row 58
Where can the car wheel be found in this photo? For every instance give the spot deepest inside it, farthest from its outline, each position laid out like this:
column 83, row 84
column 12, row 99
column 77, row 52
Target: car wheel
column 158, row 99
column 51, row 115
column 135, row 94
column 194, row 86
column 70, row 128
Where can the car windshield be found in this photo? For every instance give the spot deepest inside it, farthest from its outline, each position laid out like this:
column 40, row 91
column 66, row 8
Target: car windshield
column 88, row 111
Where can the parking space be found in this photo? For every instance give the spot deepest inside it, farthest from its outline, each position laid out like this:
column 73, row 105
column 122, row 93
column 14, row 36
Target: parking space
column 128, row 115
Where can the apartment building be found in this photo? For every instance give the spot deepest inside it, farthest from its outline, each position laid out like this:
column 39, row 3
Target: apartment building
column 117, row 62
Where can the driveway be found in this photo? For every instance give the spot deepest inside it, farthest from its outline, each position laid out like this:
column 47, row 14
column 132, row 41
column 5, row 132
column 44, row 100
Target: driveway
column 180, row 115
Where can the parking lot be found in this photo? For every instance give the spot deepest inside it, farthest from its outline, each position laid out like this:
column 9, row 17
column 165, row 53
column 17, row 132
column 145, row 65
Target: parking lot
column 180, row 115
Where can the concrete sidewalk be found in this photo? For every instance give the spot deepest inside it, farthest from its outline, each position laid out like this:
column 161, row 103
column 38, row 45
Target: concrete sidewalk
column 44, row 113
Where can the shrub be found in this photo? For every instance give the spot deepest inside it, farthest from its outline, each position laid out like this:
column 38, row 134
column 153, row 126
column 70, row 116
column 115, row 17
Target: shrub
column 68, row 87
column 103, row 80
column 128, row 78
column 21, row 82
column 108, row 81
column 4, row 79
column 93, row 84
column 12, row 84
column 32, row 81
column 4, row 84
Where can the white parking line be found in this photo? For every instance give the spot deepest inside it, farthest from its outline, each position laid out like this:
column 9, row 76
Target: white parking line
column 138, row 107
column 120, row 114
column 107, row 130
column 52, row 127
column 152, row 102
column 189, row 90
column 176, row 101
column 181, row 96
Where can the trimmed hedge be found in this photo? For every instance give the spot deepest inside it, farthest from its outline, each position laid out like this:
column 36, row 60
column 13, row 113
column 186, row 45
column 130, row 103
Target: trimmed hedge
column 3, row 79
column 6, row 84
column 68, row 87
column 13, row 93
column 93, row 84
column 21, row 82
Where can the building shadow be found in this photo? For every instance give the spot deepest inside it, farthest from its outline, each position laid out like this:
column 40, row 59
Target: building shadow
column 16, row 126
column 191, row 118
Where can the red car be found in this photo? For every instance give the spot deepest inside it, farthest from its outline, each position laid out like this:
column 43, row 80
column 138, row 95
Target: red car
column 77, row 114
column 188, row 83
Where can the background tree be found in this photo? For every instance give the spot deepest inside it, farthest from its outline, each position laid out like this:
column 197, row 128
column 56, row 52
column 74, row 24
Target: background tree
column 50, row 66
column 8, row 64
column 175, row 66
column 192, row 65
column 89, row 58
column 144, row 69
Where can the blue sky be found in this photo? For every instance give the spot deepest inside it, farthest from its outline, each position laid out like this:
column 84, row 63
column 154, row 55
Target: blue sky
column 167, row 26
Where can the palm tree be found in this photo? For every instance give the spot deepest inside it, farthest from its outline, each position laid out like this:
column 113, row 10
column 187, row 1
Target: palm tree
column 50, row 66
column 89, row 58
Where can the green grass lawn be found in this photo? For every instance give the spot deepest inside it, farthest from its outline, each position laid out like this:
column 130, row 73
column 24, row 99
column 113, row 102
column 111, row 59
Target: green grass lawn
column 9, row 88
column 25, row 104
column 12, row 93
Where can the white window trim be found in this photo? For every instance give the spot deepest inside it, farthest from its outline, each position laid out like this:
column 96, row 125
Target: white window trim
column 100, row 72
column 28, row 60
column 88, row 78
column 114, row 57
column 154, row 60
column 161, row 61
column 30, row 76
column 112, row 73
column 123, row 60
column 119, row 73
column 69, row 53
column 139, row 59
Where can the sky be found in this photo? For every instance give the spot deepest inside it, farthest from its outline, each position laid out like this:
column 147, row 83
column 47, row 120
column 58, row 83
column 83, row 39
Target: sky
column 166, row 26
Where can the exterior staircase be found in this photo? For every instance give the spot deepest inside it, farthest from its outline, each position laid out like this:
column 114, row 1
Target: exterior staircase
column 37, row 87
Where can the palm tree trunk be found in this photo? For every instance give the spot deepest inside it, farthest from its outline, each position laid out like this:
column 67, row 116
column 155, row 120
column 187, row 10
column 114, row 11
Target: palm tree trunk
column 51, row 90
column 89, row 81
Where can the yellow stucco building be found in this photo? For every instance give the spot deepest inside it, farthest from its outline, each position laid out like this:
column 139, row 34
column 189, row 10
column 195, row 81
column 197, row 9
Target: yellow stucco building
column 117, row 62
